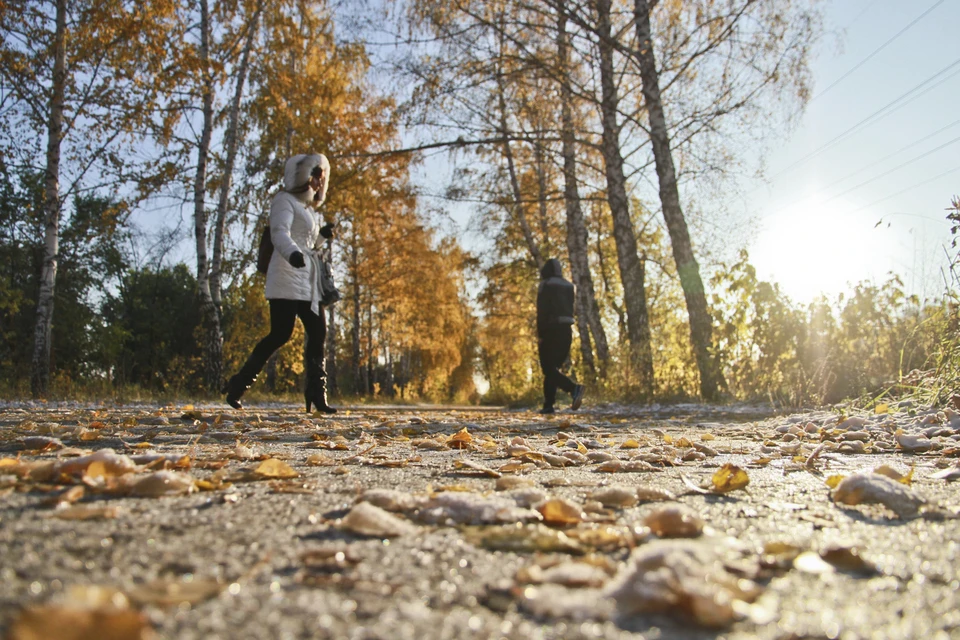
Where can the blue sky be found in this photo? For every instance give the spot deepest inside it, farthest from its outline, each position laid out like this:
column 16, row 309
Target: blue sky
column 859, row 189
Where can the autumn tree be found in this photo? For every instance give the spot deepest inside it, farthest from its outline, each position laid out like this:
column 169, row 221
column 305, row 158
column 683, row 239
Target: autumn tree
column 83, row 77
column 760, row 48
column 588, row 312
column 218, row 50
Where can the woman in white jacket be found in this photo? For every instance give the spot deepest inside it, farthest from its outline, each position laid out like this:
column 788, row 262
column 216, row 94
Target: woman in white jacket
column 294, row 279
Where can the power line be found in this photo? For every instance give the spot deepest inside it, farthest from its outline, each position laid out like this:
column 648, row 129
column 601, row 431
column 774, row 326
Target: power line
column 878, row 49
column 901, row 101
column 895, row 153
column 913, row 186
column 861, row 14
column 889, row 171
column 876, row 177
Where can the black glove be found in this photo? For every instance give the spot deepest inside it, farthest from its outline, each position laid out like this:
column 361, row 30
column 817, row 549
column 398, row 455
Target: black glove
column 296, row 259
column 327, row 230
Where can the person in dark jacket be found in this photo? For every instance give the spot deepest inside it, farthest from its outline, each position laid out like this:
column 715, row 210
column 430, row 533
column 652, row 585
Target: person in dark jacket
column 555, row 333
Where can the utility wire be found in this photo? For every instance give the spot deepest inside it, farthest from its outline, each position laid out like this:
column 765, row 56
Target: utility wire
column 913, row 186
column 898, row 103
column 881, row 175
column 890, row 155
column 857, row 17
column 878, row 49
column 896, row 168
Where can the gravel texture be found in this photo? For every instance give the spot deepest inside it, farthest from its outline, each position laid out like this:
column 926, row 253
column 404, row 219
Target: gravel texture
column 241, row 553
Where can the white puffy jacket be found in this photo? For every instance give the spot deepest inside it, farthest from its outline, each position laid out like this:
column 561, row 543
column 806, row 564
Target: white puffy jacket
column 294, row 226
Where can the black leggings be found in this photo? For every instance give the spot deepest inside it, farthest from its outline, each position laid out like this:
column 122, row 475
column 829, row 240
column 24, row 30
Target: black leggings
column 554, row 350
column 283, row 314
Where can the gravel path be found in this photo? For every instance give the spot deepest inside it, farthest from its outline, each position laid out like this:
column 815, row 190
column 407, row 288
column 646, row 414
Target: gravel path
column 610, row 523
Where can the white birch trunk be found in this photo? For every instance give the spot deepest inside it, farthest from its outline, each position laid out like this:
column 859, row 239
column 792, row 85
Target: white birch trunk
column 40, row 376
column 588, row 311
column 211, row 336
column 632, row 272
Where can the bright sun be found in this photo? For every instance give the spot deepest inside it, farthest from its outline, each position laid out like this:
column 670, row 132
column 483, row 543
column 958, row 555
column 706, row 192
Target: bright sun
column 809, row 249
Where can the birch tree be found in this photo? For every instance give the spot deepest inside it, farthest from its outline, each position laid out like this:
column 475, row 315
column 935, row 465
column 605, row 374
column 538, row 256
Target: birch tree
column 701, row 324
column 632, row 268
column 84, row 78
column 588, row 311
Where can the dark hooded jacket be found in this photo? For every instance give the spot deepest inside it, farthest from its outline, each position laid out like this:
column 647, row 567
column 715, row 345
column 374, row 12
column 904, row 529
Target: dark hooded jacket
column 554, row 298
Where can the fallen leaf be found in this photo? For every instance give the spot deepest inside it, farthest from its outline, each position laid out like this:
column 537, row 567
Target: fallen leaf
column 175, row 592
column 275, row 469
column 529, row 538
column 913, row 443
column 872, row 488
column 559, row 512
column 367, row 520
column 280, row 486
column 848, row 559
column 320, row 460
column 506, row 483
column 653, row 494
column 674, row 521
column 156, row 484
column 834, row 480
column 811, row 562
column 893, row 474
column 330, row 558
column 86, row 512
column 686, row 578
column 479, row 468
column 616, row 497
column 67, row 623
column 105, row 462
column 392, row 499
column 66, row 497
column 729, row 477
column 950, row 474
column 460, row 440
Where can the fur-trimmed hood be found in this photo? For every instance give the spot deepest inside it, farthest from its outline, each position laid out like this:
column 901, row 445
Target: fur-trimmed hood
column 296, row 177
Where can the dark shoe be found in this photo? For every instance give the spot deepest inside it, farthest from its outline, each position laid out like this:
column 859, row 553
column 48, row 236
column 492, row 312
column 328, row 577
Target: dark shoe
column 235, row 388
column 320, row 406
column 315, row 387
column 546, row 411
column 577, row 396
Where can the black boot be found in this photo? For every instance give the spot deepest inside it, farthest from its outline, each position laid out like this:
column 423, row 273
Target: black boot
column 238, row 384
column 315, row 388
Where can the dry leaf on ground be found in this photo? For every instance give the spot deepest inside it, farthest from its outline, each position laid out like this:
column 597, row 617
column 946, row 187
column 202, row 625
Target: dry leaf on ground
column 367, row 520
column 729, row 477
column 274, row 469
column 86, row 512
column 872, row 488
column 686, row 578
column 156, row 484
column 175, row 592
column 674, row 521
column 66, row 623
column 560, row 512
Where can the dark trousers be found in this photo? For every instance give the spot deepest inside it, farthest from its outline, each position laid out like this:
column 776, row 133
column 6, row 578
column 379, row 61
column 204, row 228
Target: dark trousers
column 554, row 349
column 283, row 315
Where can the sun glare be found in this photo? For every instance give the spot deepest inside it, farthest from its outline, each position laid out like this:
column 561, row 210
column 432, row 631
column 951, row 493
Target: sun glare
column 810, row 248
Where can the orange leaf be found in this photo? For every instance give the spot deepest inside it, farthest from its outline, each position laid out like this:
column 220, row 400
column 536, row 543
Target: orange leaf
column 730, row 477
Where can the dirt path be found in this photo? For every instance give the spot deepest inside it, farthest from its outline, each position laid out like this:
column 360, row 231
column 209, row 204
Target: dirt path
column 623, row 523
